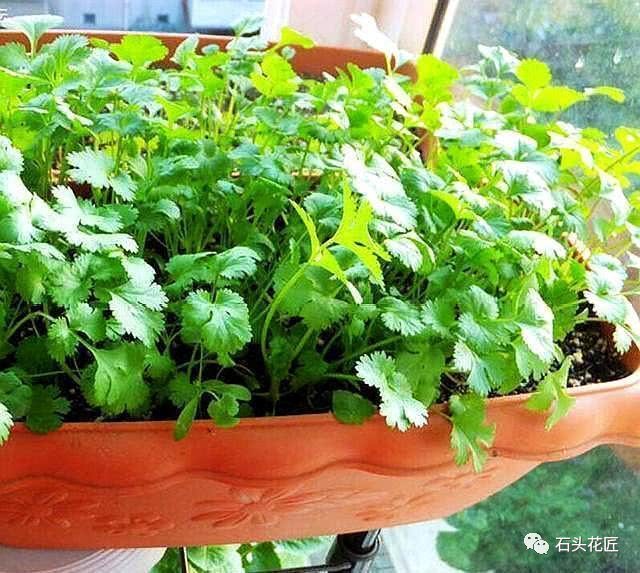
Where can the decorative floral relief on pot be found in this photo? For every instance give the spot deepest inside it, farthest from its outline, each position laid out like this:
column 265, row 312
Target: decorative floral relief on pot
column 430, row 492
column 265, row 507
column 144, row 524
column 45, row 506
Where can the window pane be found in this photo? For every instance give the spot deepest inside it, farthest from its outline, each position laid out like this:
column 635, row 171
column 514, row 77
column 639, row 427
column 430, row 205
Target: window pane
column 212, row 16
column 585, row 42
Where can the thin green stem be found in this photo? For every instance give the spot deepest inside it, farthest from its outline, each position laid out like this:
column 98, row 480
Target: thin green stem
column 45, row 374
column 374, row 346
column 332, row 376
column 273, row 308
column 303, row 341
column 26, row 319
column 331, row 342
column 192, row 361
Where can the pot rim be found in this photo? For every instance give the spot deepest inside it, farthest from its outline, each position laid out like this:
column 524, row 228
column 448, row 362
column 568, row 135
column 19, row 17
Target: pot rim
column 172, row 39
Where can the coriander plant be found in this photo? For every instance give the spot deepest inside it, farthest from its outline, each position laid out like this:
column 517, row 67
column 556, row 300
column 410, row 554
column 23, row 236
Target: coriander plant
column 225, row 237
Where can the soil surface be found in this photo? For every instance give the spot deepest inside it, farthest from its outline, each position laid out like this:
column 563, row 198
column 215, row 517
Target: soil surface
column 594, row 358
column 594, row 361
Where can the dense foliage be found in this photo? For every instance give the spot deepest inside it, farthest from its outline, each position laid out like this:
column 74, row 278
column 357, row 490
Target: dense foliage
column 226, row 236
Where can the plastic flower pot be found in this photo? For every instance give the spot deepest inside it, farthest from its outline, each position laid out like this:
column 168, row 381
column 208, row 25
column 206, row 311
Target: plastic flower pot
column 100, row 485
column 95, row 485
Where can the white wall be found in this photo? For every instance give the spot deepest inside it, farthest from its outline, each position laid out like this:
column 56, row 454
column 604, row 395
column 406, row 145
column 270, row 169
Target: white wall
column 24, row 7
column 405, row 21
column 117, row 14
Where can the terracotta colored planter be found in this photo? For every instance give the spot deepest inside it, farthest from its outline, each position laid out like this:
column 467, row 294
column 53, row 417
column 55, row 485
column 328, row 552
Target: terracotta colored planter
column 132, row 485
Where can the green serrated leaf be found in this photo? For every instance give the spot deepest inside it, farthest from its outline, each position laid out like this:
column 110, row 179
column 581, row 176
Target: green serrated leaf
column 470, row 434
column 274, row 77
column 221, row 324
column 118, row 383
column 33, row 27
column 61, row 341
column 551, row 395
column 91, row 166
column 15, row 395
column 6, row 423
column 350, row 408
column 400, row 316
column 47, row 409
column 398, row 405
column 291, row 37
column 90, row 321
column 140, row 50
column 136, row 304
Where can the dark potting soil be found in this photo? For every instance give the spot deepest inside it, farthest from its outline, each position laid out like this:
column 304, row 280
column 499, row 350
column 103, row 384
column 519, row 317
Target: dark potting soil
column 594, row 360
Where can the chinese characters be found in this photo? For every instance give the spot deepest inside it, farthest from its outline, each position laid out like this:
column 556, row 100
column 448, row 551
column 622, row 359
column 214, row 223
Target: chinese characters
column 596, row 544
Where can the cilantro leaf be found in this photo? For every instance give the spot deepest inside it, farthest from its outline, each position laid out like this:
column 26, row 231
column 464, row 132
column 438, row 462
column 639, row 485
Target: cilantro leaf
column 321, row 311
column 233, row 264
column 10, row 158
column 15, row 395
column 398, row 405
column 274, row 77
column 353, row 234
column 380, row 185
column 533, row 73
column 400, row 316
column 6, row 423
column 221, row 325
column 61, row 341
column 91, row 166
column 611, row 191
column 223, row 410
column 439, row 316
column 118, row 383
column 71, row 282
column 90, row 321
column 291, row 37
column 470, row 435
column 33, row 27
column 551, row 395
column 140, row 50
column 536, row 326
column 136, row 304
column 478, row 367
column 423, row 366
column 98, row 170
column 407, row 249
column 47, row 409
column 538, row 242
column 350, row 408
